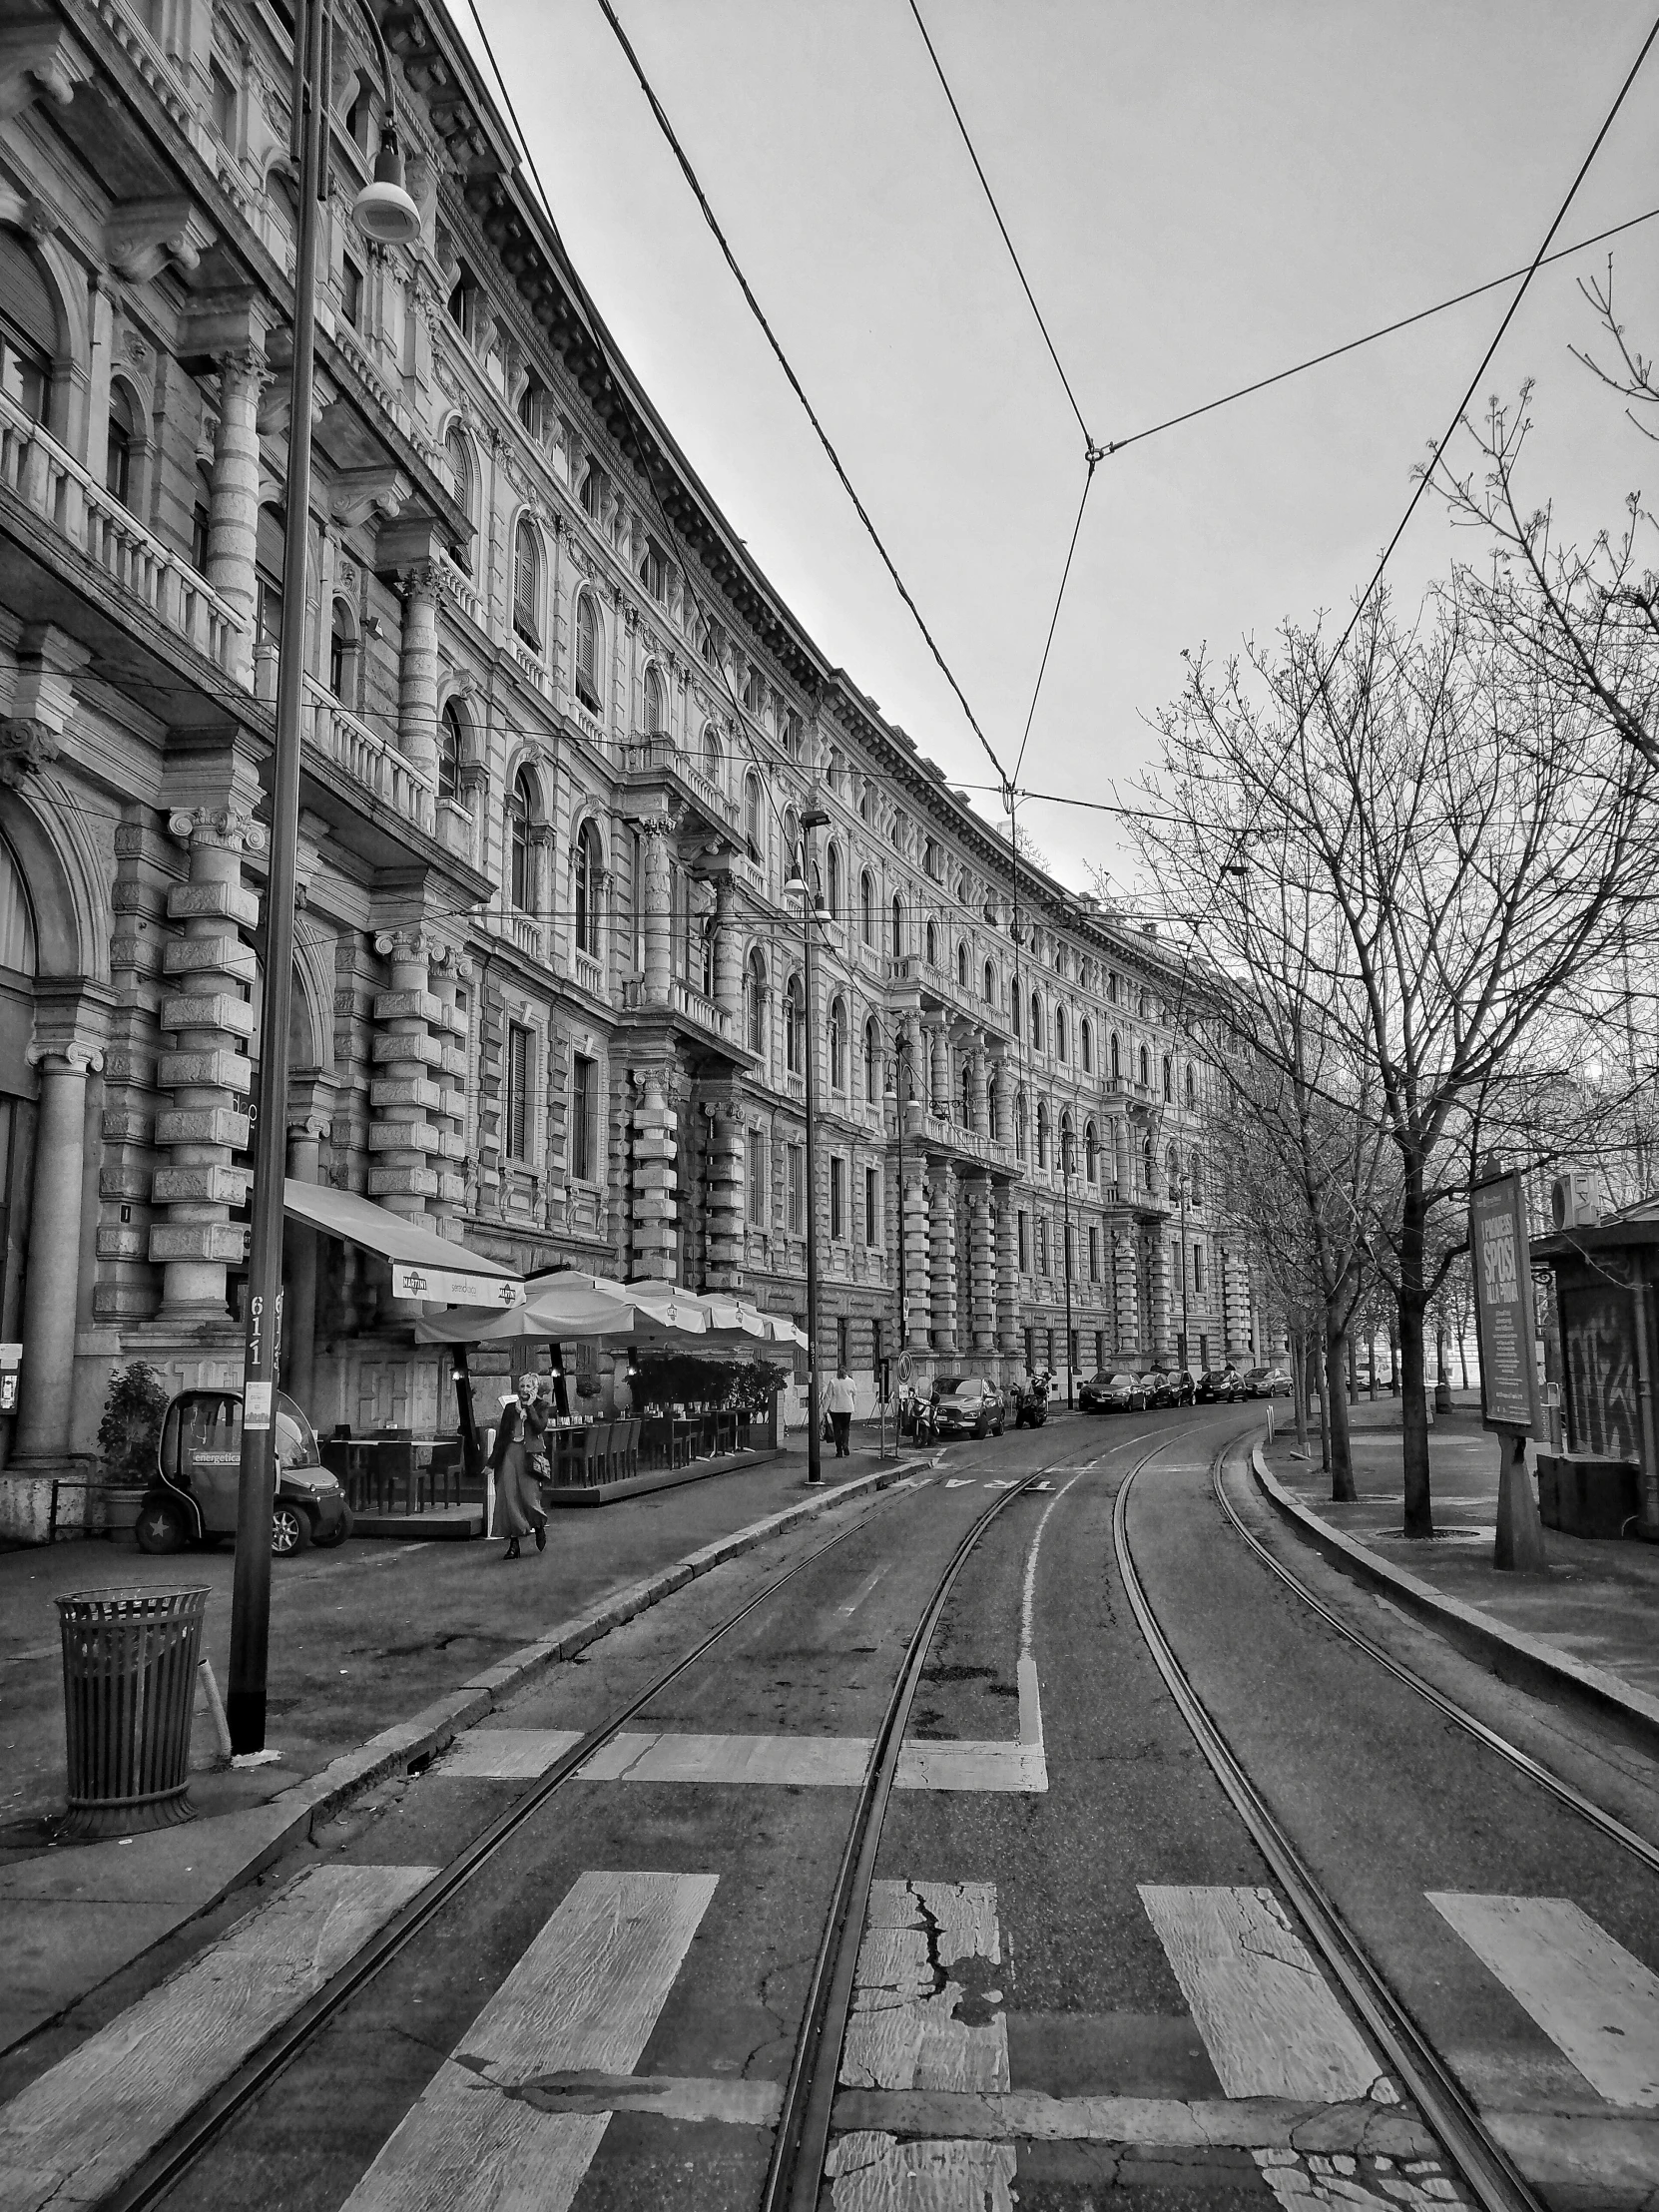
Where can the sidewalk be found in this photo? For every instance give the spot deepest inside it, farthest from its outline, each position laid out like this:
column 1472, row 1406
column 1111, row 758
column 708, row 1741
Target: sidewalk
column 381, row 1652
column 1588, row 1626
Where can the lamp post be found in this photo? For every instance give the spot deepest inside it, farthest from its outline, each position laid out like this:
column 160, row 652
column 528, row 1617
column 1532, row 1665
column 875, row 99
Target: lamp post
column 1180, row 1193
column 800, row 885
column 900, row 1051
column 1065, row 1188
column 384, row 212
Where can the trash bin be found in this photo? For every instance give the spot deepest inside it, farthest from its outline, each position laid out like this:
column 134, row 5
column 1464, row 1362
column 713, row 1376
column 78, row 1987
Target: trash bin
column 129, row 1689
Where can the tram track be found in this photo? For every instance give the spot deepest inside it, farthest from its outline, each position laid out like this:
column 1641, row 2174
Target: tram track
column 172, row 2160
column 1483, row 2165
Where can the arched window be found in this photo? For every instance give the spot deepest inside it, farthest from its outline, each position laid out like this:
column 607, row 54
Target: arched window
column 1146, row 1163
column 1019, row 1123
column 1013, row 1004
column 342, row 653
column 967, row 1096
column 587, row 865
column 1042, row 1132
column 866, row 908
column 521, row 805
column 28, row 328
column 753, row 827
column 755, row 991
column 1168, row 1080
column 587, row 650
column 1112, row 988
column 1146, row 1068
column 873, row 1063
column 1068, row 1146
column 1194, row 1178
column 1059, row 1032
column 1192, row 1087
column 837, row 1043
column 1172, row 1168
column 990, row 985
column 1091, row 1152
column 459, row 455
column 993, row 1101
column 1117, row 1058
column 1036, row 1023
column 795, row 1027
column 654, row 707
column 931, row 939
column 832, row 871
column 898, row 927
column 714, row 759
column 1087, row 1041
column 793, row 857
column 18, row 945
column 961, row 964
column 450, row 740
column 527, row 583
column 118, row 451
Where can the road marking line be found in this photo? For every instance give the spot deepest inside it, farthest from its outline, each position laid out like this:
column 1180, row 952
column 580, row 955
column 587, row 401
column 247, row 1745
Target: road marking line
column 929, row 1950
column 1161, row 2123
column 796, row 1761
column 74, row 2133
column 585, row 1997
column 959, row 1482
column 864, row 1589
column 505, row 1754
column 1269, row 2020
column 1597, row 2005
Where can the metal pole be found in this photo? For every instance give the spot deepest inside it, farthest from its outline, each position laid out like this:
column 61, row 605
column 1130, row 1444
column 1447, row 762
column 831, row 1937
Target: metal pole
column 815, row 1443
column 1065, row 1186
column 244, row 1703
column 1186, row 1347
column 901, row 1052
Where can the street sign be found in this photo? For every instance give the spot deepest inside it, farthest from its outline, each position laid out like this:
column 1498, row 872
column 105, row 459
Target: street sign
column 904, row 1366
column 1503, row 1313
column 444, row 1287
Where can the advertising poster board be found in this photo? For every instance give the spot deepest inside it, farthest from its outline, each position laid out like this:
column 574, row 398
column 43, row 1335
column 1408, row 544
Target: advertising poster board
column 1503, row 1313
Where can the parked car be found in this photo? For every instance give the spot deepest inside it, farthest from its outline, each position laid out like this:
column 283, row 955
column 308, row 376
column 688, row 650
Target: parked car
column 969, row 1405
column 1170, row 1387
column 1218, row 1384
column 1029, row 1400
column 1113, row 1394
column 1267, row 1383
column 193, row 1497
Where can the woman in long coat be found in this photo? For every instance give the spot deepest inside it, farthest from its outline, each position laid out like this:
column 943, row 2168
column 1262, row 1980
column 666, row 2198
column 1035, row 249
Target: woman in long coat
column 517, row 1493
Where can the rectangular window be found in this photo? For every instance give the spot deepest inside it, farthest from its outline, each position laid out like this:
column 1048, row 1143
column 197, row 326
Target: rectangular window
column 838, row 1199
column 351, row 293
column 593, row 492
column 582, row 1089
column 844, row 1341
column 872, row 1205
column 1031, row 1348
column 1198, row 1269
column 516, row 1122
column 876, row 1349
column 1100, row 1350
column 222, row 94
column 653, row 570
column 1042, row 1244
column 1070, row 1236
column 1024, row 1243
column 794, row 1181
column 760, row 1166
column 1094, row 1254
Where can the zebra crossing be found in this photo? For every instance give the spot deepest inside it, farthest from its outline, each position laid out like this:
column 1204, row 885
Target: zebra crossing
column 930, row 2110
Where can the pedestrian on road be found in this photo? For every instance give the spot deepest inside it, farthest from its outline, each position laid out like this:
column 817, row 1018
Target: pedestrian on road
column 518, row 1507
column 841, row 1398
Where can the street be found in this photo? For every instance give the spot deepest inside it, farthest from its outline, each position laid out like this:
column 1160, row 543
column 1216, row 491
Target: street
column 1078, row 1974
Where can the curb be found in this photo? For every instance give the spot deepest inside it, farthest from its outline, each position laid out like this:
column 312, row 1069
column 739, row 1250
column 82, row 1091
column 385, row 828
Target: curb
column 1527, row 1662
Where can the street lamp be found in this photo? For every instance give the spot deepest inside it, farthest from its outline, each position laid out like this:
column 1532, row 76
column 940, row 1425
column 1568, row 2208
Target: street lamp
column 1180, row 1193
column 384, row 212
column 810, row 906
column 1066, row 1187
column 901, row 1051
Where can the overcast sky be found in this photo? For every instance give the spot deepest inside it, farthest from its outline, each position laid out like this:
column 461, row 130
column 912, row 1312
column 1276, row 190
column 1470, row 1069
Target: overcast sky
column 1201, row 192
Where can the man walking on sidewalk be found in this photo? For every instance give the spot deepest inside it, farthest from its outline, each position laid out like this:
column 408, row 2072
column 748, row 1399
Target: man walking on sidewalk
column 840, row 1397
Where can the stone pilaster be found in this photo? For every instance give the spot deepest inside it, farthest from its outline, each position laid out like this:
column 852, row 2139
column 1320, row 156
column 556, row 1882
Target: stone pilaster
column 656, row 1213
column 982, row 1265
column 207, row 967
column 450, row 1115
column 728, row 957
column 942, row 1255
column 726, row 1198
column 1123, row 1159
column 1235, row 1302
column 52, row 1279
column 939, row 1063
column 1126, row 1299
column 659, row 911
column 1002, row 1095
column 234, row 498
column 919, row 1287
column 418, row 666
column 1161, row 1295
column 1007, row 1272
column 978, row 1099
column 407, row 1095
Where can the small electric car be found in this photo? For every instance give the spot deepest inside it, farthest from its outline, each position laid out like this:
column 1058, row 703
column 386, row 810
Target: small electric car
column 193, row 1499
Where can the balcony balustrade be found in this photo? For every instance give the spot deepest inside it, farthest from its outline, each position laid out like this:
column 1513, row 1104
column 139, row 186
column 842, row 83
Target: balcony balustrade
column 371, row 762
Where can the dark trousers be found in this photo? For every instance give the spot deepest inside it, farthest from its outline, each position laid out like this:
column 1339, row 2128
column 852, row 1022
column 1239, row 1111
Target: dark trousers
column 841, row 1426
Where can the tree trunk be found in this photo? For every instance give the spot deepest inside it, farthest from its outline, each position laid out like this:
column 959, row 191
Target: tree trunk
column 1298, row 1387
column 1371, row 1352
column 1443, row 1370
column 1393, row 1357
column 1353, row 1372
column 1338, row 1357
column 1463, row 1356
column 1413, row 1309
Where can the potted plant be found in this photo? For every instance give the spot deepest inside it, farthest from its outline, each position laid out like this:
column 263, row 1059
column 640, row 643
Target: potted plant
column 127, row 1436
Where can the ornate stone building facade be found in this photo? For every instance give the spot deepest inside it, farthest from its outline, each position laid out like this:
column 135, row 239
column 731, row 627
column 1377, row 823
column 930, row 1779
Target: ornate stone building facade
column 558, row 733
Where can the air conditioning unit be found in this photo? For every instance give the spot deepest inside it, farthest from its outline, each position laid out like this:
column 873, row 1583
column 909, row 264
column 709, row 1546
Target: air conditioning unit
column 1575, row 1200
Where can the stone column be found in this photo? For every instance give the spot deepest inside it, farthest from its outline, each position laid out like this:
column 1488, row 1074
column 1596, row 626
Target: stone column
column 1158, row 1255
column 1126, row 1303
column 977, row 1095
column 1001, row 1120
column 1235, row 1302
column 919, row 1290
column 943, row 1254
column 659, row 912
column 728, row 956
column 1123, row 1159
column 982, row 1265
column 449, row 1116
column 52, row 1279
column 1007, row 1271
column 305, row 1133
column 418, row 666
column 655, row 1182
column 233, row 505
column 726, row 1197
column 405, row 1095
column 940, row 1062
column 205, row 966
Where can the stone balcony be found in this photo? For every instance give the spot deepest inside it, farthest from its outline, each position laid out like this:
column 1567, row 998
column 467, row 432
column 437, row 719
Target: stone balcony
column 370, row 761
column 655, row 766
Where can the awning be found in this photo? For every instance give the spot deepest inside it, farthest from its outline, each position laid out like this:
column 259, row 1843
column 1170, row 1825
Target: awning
column 424, row 1264
column 568, row 1305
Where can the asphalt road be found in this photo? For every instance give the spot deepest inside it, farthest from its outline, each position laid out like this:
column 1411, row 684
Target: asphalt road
column 642, row 1946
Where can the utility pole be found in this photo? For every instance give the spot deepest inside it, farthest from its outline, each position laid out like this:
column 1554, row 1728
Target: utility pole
column 1066, row 1187
column 815, row 817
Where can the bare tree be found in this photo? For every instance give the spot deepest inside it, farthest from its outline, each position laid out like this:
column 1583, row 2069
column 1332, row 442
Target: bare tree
column 1466, row 831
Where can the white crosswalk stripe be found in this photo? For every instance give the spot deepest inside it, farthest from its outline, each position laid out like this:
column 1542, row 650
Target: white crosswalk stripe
column 583, row 1998
column 1597, row 2005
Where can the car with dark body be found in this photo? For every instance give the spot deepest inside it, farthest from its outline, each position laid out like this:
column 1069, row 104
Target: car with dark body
column 194, row 1494
column 1267, row 1383
column 969, row 1405
column 1217, row 1384
column 1121, row 1393
column 1171, row 1387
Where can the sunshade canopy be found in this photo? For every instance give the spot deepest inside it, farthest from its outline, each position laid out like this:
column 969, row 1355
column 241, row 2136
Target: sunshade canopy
column 424, row 1264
